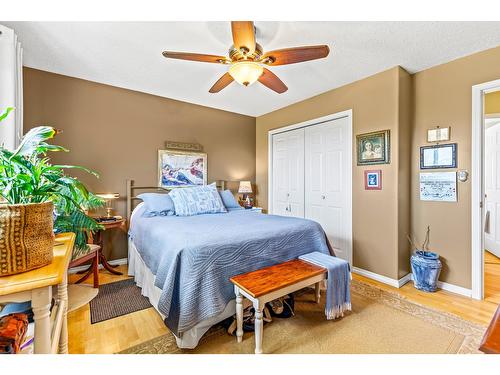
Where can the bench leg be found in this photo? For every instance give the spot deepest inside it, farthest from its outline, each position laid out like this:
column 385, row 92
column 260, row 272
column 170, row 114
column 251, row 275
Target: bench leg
column 318, row 291
column 239, row 315
column 259, row 328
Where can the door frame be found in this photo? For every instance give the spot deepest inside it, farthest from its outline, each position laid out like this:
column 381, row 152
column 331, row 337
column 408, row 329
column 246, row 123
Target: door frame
column 304, row 124
column 477, row 198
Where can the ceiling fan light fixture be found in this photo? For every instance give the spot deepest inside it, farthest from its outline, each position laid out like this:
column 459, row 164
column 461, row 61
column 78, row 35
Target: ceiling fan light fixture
column 246, row 72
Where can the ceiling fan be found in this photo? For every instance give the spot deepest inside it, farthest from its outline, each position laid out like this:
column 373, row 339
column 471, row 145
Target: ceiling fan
column 247, row 60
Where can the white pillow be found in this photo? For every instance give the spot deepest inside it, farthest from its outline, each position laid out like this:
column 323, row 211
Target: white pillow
column 197, row 200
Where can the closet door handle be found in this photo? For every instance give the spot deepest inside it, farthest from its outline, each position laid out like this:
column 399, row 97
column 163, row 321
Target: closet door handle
column 323, row 197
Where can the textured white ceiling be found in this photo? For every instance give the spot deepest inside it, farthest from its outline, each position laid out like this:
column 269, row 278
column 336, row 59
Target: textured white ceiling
column 128, row 55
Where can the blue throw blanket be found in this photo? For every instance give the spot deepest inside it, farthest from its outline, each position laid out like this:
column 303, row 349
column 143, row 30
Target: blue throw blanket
column 338, row 294
column 193, row 257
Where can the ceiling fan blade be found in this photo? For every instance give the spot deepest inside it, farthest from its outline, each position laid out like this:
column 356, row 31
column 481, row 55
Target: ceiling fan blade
column 295, row 55
column 221, row 83
column 271, row 80
column 195, row 57
column 243, row 35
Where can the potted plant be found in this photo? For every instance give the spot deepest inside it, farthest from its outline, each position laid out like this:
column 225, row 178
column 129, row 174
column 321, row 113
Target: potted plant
column 34, row 192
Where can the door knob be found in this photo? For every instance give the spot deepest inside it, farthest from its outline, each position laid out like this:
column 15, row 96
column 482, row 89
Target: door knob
column 323, row 197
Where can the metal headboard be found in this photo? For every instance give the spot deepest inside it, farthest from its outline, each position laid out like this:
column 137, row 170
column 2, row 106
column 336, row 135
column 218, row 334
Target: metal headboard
column 132, row 197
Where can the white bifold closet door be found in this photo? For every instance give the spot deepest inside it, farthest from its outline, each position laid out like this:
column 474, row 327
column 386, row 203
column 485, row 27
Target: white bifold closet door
column 288, row 173
column 327, row 181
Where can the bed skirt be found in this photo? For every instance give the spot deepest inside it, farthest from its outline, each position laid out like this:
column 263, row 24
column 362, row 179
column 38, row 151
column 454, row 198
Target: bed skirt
column 145, row 279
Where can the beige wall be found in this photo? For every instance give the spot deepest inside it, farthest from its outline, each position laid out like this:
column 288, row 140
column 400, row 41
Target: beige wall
column 492, row 103
column 375, row 104
column 443, row 96
column 117, row 132
column 405, row 113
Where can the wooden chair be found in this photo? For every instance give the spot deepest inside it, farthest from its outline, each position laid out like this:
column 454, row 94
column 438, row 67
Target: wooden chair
column 84, row 256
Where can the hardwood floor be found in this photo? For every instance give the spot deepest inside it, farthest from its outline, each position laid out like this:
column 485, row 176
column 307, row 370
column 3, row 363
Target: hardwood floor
column 117, row 334
column 491, row 278
column 114, row 335
column 467, row 308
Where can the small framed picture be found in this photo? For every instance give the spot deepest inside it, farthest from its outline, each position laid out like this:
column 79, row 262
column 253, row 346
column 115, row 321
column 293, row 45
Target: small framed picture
column 438, row 156
column 373, row 180
column 373, row 148
column 438, row 134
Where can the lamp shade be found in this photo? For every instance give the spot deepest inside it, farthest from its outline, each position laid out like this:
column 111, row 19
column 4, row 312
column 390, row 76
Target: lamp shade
column 107, row 196
column 245, row 187
column 246, row 72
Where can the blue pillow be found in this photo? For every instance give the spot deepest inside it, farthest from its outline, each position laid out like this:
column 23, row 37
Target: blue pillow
column 157, row 204
column 229, row 200
column 197, row 200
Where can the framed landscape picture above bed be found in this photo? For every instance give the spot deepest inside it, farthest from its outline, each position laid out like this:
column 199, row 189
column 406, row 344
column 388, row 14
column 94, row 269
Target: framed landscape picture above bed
column 178, row 168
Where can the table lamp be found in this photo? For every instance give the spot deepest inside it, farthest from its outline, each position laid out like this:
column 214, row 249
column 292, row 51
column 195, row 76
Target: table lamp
column 109, row 198
column 245, row 189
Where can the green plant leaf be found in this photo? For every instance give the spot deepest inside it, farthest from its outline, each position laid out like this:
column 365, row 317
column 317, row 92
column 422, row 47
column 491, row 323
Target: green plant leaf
column 95, row 174
column 6, row 113
column 32, row 140
column 44, row 147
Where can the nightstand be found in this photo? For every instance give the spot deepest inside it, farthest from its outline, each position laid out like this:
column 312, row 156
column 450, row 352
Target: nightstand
column 98, row 240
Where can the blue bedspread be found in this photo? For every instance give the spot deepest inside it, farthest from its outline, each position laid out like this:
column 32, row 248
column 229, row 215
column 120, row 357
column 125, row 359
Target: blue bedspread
column 194, row 257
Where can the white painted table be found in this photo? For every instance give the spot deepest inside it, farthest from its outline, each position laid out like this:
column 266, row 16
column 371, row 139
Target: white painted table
column 51, row 330
column 267, row 284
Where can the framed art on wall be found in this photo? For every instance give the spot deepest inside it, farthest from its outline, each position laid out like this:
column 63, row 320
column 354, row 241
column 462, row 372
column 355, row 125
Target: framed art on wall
column 373, row 180
column 438, row 156
column 438, row 186
column 373, row 148
column 181, row 168
column 438, row 134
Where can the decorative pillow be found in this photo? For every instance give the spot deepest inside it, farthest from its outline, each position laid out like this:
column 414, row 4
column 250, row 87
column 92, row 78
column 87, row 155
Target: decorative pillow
column 197, row 200
column 229, row 200
column 157, row 204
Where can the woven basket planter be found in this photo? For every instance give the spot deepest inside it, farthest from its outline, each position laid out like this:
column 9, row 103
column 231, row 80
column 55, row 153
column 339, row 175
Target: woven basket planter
column 26, row 237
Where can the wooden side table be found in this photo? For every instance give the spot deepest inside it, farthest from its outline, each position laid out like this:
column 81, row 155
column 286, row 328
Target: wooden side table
column 51, row 329
column 98, row 240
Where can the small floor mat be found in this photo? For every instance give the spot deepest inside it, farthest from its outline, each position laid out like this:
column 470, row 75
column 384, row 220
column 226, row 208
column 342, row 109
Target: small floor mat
column 117, row 299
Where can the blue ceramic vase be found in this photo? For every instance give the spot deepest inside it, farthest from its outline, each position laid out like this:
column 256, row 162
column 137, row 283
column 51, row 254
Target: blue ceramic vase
column 425, row 266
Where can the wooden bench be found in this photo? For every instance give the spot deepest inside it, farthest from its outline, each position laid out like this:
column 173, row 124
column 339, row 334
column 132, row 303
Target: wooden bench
column 269, row 283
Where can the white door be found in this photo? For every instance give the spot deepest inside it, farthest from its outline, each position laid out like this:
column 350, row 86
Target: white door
column 492, row 186
column 328, row 181
column 288, row 173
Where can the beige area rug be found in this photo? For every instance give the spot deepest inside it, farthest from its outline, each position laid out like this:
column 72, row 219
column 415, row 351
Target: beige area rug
column 381, row 322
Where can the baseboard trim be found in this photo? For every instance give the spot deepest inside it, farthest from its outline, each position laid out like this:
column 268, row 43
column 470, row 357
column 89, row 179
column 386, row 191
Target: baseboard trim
column 116, row 262
column 409, row 277
column 383, row 279
column 405, row 279
column 452, row 288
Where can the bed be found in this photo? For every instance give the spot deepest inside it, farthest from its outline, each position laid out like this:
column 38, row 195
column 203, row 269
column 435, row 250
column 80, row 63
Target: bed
column 183, row 264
